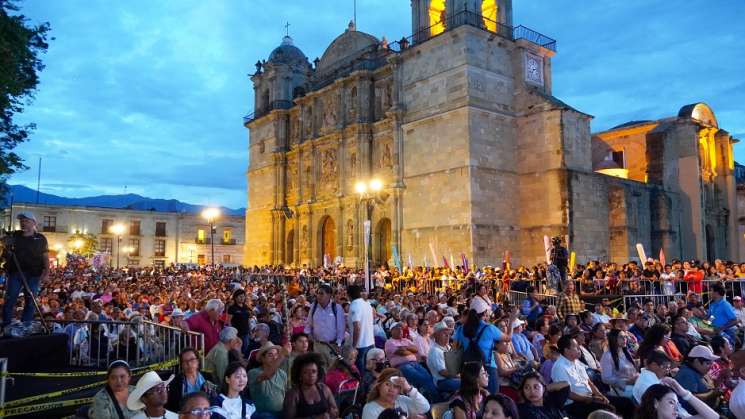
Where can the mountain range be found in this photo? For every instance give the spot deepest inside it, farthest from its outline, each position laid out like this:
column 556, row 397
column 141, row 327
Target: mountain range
column 22, row 194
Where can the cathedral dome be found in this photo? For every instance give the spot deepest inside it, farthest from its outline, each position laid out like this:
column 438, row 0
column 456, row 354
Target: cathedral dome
column 287, row 53
column 345, row 48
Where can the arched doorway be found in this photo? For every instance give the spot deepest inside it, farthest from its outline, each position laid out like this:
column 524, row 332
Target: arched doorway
column 383, row 233
column 328, row 239
column 290, row 248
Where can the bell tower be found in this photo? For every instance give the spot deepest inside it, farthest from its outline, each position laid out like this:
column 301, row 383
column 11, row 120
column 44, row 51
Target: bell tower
column 432, row 17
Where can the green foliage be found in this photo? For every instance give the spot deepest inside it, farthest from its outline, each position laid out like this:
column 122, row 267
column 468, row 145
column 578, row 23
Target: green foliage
column 82, row 244
column 21, row 44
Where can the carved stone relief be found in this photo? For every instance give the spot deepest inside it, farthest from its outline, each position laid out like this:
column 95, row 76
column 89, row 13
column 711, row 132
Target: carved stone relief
column 350, row 234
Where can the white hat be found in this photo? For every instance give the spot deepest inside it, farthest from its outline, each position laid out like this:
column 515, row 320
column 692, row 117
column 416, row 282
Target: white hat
column 701, row 351
column 148, row 381
column 26, row 214
column 517, row 323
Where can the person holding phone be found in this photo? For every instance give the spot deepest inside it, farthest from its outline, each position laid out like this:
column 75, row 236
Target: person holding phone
column 392, row 391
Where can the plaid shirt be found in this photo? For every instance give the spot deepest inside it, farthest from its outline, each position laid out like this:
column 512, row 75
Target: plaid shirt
column 569, row 304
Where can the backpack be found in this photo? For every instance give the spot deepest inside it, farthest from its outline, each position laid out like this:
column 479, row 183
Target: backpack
column 473, row 353
column 313, row 312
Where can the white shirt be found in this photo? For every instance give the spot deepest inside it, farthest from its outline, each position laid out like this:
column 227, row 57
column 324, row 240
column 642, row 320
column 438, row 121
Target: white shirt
column 737, row 400
column 436, row 360
column 413, row 404
column 168, row 415
column 646, row 379
column 231, row 408
column 740, row 313
column 361, row 311
column 573, row 373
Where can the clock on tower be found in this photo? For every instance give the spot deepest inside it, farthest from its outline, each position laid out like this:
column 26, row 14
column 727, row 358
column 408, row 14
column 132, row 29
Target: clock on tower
column 533, row 68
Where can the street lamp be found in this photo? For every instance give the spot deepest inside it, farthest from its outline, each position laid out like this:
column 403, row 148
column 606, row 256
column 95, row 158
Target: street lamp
column 77, row 244
column 211, row 214
column 118, row 230
column 369, row 192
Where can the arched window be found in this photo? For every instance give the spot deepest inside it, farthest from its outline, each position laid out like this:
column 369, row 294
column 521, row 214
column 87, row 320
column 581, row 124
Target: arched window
column 436, row 17
column 489, row 14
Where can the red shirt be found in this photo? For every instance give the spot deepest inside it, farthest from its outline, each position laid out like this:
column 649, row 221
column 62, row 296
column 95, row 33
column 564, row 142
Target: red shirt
column 201, row 323
column 695, row 281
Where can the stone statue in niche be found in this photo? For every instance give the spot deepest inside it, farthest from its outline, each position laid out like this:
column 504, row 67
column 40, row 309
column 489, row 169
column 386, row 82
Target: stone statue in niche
column 328, row 165
column 308, row 180
column 308, row 122
column 329, row 118
column 350, row 234
column 353, row 164
column 291, row 176
column 294, row 130
column 304, row 239
column 386, row 157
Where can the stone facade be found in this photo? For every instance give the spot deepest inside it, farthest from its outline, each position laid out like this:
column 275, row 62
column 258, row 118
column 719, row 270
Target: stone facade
column 158, row 238
column 475, row 154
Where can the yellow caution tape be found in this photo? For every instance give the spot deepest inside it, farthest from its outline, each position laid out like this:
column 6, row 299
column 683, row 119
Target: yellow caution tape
column 52, row 395
column 24, row 410
column 158, row 366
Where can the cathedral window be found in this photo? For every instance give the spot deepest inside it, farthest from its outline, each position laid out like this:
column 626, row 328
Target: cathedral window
column 436, row 17
column 489, row 14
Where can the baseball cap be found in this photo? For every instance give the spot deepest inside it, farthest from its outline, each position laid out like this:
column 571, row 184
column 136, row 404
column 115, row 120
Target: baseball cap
column 737, row 297
column 26, row 214
column 517, row 323
column 701, row 351
column 439, row 326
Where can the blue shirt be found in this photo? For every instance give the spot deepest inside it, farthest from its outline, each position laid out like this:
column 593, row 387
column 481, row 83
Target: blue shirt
column 722, row 312
column 526, row 311
column 522, row 346
column 691, row 380
column 486, row 342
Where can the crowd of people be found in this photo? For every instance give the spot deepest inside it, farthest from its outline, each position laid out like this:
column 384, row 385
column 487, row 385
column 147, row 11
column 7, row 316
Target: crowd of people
column 448, row 342
column 294, row 343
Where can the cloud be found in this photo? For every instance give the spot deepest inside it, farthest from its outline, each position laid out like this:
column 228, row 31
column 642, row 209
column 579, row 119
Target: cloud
column 151, row 94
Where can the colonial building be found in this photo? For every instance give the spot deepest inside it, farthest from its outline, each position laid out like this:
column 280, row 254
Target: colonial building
column 148, row 237
column 474, row 153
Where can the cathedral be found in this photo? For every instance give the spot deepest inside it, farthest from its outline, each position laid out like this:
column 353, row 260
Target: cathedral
column 449, row 143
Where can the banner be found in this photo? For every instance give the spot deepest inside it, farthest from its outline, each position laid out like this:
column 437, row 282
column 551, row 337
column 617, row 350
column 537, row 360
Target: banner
column 642, row 255
column 464, row 260
column 396, row 257
column 547, row 248
column 434, row 255
column 366, row 225
column 662, row 257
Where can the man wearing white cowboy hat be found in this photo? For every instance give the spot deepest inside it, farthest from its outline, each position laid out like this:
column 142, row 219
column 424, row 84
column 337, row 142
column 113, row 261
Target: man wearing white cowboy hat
column 31, row 260
column 150, row 396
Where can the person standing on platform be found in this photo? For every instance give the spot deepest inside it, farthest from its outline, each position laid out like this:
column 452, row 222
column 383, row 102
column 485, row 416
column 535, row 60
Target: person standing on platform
column 31, row 260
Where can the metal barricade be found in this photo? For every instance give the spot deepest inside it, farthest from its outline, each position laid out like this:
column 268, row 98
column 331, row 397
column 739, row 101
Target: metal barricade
column 638, row 300
column 140, row 343
column 4, row 372
column 517, row 298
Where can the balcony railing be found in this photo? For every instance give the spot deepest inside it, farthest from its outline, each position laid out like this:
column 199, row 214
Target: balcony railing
column 207, row 240
column 228, row 242
column 466, row 17
column 377, row 58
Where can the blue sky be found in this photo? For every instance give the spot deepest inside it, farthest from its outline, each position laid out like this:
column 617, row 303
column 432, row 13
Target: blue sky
column 150, row 94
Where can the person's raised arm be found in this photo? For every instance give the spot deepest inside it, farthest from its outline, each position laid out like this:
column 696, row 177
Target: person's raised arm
column 703, row 411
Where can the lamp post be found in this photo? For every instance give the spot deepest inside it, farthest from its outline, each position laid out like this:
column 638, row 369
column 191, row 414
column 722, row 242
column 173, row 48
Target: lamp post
column 77, row 244
column 369, row 192
column 211, row 214
column 117, row 229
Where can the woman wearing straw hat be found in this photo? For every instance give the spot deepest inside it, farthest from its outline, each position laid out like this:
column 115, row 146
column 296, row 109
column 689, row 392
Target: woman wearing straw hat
column 150, row 396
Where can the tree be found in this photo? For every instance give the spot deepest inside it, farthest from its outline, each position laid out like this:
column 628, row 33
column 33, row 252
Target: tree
column 84, row 244
column 21, row 44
